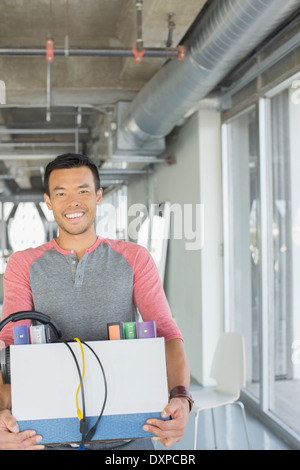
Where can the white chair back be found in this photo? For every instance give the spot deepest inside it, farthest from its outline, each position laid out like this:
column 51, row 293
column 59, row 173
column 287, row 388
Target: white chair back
column 228, row 366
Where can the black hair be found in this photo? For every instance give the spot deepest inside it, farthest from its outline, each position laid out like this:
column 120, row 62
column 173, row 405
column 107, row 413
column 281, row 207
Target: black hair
column 70, row 160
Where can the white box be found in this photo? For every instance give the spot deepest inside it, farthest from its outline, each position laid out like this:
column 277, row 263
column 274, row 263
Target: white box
column 44, row 381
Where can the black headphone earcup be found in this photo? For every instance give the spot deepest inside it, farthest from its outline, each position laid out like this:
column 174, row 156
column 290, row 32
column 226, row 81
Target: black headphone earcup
column 5, row 365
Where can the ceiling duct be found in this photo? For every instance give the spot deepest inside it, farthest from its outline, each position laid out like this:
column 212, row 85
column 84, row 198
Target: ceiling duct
column 229, row 30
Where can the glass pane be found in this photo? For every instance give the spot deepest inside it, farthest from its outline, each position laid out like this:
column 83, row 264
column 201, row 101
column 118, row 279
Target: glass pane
column 111, row 219
column 26, row 228
column 285, row 386
column 243, row 250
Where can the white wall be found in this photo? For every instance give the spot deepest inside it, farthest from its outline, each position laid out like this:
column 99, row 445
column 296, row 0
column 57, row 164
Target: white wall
column 193, row 280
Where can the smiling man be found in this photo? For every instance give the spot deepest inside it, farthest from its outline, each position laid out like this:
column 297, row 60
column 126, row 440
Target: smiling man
column 83, row 282
column 73, row 195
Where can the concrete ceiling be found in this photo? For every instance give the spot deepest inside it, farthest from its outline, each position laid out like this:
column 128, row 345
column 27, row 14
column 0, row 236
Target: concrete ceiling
column 84, row 89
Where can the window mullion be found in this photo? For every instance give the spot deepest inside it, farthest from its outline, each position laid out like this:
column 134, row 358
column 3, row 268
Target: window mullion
column 267, row 284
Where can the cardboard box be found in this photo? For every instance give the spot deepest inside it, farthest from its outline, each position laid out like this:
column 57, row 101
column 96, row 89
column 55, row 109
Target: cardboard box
column 44, row 381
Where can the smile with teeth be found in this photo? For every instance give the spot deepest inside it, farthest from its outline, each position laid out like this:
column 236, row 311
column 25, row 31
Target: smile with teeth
column 75, row 215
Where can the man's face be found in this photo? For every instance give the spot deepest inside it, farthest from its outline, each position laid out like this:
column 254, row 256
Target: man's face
column 73, row 199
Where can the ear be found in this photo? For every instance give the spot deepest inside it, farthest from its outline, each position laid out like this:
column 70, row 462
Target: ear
column 47, row 201
column 99, row 196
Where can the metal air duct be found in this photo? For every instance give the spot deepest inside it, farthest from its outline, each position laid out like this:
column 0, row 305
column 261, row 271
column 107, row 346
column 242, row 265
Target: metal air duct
column 228, row 32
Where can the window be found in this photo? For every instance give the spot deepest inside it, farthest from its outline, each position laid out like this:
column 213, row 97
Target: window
column 241, row 244
column 285, row 154
column 24, row 225
column 261, row 157
column 111, row 220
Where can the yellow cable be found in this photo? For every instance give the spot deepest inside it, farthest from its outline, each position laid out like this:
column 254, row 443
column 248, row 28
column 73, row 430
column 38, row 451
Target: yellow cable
column 79, row 413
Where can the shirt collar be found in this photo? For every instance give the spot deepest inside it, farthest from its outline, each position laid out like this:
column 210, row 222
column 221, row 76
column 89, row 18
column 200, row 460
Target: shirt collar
column 72, row 252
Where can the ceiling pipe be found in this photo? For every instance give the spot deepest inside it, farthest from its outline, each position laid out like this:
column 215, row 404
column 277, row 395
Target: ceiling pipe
column 228, row 31
column 4, row 130
column 150, row 52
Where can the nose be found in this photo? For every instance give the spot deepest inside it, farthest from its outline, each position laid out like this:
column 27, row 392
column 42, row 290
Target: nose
column 72, row 200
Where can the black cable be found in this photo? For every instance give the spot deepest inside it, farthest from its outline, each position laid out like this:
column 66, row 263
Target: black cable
column 83, row 421
column 92, row 431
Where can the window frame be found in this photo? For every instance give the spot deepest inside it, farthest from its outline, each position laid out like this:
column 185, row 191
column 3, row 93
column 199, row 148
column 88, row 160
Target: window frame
column 261, row 406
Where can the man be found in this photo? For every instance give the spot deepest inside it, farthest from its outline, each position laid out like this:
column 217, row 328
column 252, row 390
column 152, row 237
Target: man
column 84, row 282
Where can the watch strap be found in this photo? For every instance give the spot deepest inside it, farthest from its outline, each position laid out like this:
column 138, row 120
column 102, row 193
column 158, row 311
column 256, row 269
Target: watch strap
column 182, row 392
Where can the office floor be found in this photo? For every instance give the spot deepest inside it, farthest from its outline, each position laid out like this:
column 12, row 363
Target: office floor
column 229, row 430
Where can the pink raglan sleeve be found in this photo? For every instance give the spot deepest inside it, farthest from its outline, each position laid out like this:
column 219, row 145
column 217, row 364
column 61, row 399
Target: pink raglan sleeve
column 17, row 294
column 149, row 296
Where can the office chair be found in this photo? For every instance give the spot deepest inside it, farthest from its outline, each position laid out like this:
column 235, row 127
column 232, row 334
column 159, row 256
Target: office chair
column 228, row 369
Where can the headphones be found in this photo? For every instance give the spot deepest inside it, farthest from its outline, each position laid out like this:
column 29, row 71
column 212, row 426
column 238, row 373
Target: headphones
column 31, row 315
column 14, row 317
column 5, row 370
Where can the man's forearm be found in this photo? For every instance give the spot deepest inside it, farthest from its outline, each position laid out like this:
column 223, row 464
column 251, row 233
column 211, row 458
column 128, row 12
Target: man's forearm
column 178, row 370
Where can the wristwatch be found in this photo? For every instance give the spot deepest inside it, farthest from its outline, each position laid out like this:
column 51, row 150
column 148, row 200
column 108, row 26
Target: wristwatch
column 182, row 392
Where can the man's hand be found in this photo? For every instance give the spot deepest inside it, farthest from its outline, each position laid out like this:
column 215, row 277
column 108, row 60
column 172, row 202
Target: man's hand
column 12, row 439
column 170, row 431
